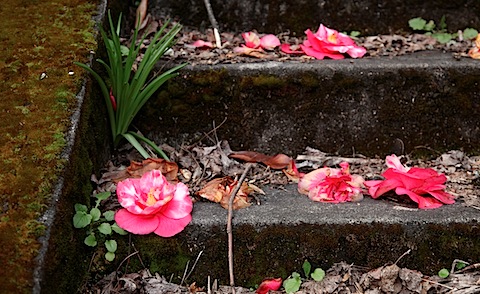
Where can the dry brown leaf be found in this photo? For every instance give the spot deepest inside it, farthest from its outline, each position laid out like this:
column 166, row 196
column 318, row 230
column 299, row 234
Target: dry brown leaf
column 218, row 190
column 278, row 161
column 136, row 170
column 141, row 14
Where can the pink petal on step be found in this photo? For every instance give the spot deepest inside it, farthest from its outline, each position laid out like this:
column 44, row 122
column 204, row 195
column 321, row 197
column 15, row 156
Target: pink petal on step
column 168, row 227
column 136, row 224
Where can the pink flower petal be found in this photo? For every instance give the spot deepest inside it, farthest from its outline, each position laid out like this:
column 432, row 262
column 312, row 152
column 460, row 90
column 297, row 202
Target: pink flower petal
column 423, row 202
column 202, row 44
column 443, row 196
column 393, row 161
column 181, row 205
column 136, row 224
column 269, row 42
column 168, row 227
column 251, row 40
column 320, row 55
column 356, row 52
column 268, row 285
column 286, row 48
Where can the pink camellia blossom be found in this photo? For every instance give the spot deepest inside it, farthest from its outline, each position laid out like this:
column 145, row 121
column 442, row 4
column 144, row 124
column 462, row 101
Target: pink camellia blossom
column 423, row 185
column 268, row 285
column 332, row 185
column 329, row 43
column 152, row 204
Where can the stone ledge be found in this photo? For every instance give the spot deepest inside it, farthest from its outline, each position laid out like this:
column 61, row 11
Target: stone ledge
column 274, row 239
column 424, row 99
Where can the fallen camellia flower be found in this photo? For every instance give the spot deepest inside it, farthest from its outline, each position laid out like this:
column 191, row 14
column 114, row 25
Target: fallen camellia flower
column 332, row 185
column 268, row 285
column 423, row 185
column 328, row 43
column 152, row 204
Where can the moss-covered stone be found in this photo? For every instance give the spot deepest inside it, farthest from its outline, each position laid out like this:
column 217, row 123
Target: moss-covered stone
column 335, row 106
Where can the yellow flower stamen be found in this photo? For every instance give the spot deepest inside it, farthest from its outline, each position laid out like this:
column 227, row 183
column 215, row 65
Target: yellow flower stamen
column 332, row 38
column 151, row 199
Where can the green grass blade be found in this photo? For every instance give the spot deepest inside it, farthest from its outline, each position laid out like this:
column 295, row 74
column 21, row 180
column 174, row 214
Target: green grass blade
column 151, row 144
column 136, row 145
column 106, row 96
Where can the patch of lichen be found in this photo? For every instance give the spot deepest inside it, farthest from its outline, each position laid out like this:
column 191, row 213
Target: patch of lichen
column 37, row 38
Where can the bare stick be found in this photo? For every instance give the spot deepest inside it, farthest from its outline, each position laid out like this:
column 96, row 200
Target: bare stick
column 229, row 225
column 214, row 23
column 406, row 253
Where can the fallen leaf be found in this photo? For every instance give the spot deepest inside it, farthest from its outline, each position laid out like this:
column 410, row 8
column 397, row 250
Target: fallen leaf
column 136, row 169
column 218, row 190
column 141, row 14
column 278, row 161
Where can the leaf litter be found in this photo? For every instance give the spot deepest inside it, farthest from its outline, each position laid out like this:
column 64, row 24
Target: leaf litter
column 340, row 278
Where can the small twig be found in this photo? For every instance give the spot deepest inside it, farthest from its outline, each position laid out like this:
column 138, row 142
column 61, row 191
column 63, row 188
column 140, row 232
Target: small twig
column 125, row 259
column 184, row 273
column 139, row 258
column 454, row 264
column 214, row 23
column 209, row 290
column 407, row 252
column 470, row 267
column 194, row 264
column 229, row 225
column 439, row 284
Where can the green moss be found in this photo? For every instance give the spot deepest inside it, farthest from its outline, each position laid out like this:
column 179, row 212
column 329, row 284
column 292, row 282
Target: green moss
column 36, row 39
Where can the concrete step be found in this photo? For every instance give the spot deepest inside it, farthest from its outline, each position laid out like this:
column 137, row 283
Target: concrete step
column 274, row 238
column 424, row 99
column 368, row 16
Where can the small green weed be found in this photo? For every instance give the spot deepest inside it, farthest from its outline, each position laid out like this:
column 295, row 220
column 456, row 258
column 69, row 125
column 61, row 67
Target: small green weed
column 439, row 32
column 100, row 224
column 293, row 283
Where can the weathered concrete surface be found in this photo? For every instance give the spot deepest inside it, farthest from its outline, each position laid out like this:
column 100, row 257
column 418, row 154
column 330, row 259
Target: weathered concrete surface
column 274, row 239
column 424, row 99
column 274, row 16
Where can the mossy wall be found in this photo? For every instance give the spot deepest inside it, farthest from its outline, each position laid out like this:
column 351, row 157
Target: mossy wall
column 66, row 264
column 370, row 17
column 344, row 106
column 277, row 251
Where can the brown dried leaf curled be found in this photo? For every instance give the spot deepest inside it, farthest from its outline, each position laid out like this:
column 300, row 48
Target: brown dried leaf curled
column 278, row 161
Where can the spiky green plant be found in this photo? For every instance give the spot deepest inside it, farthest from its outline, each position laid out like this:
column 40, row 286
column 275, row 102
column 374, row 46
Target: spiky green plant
column 129, row 89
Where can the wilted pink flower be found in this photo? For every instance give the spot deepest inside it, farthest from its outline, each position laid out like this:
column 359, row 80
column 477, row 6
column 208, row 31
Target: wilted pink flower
column 328, row 43
column 268, row 285
column 152, row 204
column 332, row 185
column 254, row 43
column 423, row 185
column 202, row 44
